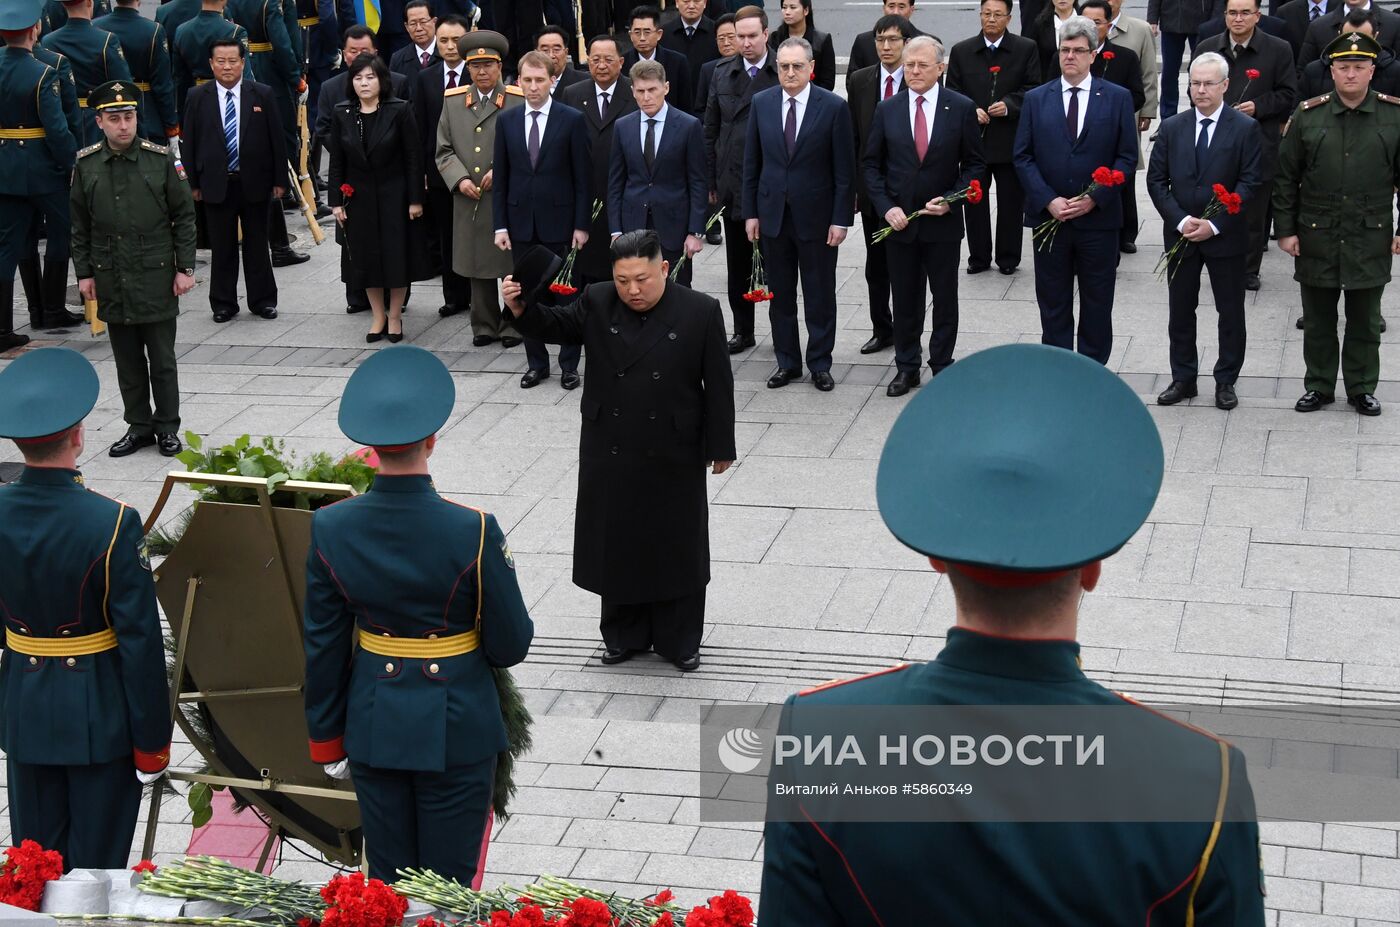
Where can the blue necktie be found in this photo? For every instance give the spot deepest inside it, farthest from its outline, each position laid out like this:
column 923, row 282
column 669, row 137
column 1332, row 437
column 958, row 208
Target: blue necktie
column 231, row 133
column 1203, row 147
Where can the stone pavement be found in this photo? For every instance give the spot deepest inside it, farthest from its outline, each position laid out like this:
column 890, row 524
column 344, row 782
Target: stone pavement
column 1272, row 559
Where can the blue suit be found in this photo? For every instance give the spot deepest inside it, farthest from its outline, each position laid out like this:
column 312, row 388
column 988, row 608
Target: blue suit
column 1051, row 164
column 796, row 199
column 672, row 195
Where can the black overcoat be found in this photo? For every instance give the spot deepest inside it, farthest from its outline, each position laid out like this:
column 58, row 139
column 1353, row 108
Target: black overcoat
column 658, row 403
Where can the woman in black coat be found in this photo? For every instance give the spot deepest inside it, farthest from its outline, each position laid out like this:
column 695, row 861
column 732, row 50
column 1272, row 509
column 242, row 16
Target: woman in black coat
column 799, row 24
column 375, row 189
column 1047, row 36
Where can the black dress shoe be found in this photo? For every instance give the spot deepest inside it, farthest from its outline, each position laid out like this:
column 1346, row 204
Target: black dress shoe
column 266, row 312
column 481, row 341
column 1127, row 247
column 12, row 340
column 393, row 337
column 741, row 343
column 224, row 315
column 1299, row 323
column 1251, row 281
column 876, row 344
column 714, row 236
column 446, row 311
column 978, row 268
column 168, row 443
column 509, row 341
column 569, row 379
column 1365, row 403
column 533, row 378
column 1382, row 323
column 1225, row 397
column 372, row 337
column 823, row 381
column 783, row 377
column 129, row 444
column 65, row 319
column 1311, row 401
column 688, row 664
column 351, row 310
column 286, row 257
column 323, row 211
column 613, row 657
column 1006, row 271
column 902, row 383
column 1176, row 392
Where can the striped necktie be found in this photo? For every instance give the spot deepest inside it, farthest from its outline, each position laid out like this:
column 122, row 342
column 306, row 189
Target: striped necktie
column 231, row 131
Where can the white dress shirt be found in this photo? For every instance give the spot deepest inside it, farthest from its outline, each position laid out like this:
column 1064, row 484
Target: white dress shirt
column 757, row 64
column 897, row 74
column 236, row 92
column 1210, row 137
column 660, row 118
column 459, row 70
column 996, row 46
column 1083, row 100
column 610, row 90
column 930, row 98
column 430, row 49
column 801, row 99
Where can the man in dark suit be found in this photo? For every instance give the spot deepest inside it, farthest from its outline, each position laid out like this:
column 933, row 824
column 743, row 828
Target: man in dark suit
column 553, row 43
column 736, row 82
column 236, row 159
column 1326, row 28
column 799, row 198
column 692, row 34
column 910, row 174
column 1269, row 25
column 1263, row 86
column 541, row 176
column 603, row 99
column 1069, row 128
column 864, row 91
column 994, row 69
column 656, row 179
column 644, row 29
column 864, row 54
column 727, row 47
column 448, row 72
column 1298, row 15
column 422, row 50
column 1316, row 77
column 1114, row 63
column 1195, row 150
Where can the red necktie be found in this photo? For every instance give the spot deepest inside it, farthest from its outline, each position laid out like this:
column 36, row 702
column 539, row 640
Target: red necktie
column 451, row 79
column 889, row 86
column 920, row 129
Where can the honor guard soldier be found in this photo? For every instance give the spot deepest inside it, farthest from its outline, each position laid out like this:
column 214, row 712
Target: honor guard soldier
column 36, row 154
column 133, row 252
column 173, row 14
column 1020, row 516
column 146, row 48
column 96, row 57
column 55, row 16
column 427, row 590
column 84, row 705
column 1339, row 166
column 189, row 49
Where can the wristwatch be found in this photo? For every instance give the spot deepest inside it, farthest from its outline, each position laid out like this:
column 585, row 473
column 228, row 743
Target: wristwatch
column 187, row 271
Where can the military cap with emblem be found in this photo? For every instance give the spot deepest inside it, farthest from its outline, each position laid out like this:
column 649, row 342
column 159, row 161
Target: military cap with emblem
column 114, row 96
column 1061, row 478
column 398, row 397
column 18, row 15
column 1352, row 46
column 44, row 392
column 483, row 45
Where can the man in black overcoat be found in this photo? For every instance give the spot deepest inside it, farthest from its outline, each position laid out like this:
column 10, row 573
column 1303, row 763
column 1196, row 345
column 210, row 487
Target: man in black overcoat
column 658, row 408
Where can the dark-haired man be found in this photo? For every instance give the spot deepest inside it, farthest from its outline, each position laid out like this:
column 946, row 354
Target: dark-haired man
column 863, row 51
column 422, row 51
column 644, row 31
column 430, row 84
column 189, row 50
column 692, row 34
column 553, row 43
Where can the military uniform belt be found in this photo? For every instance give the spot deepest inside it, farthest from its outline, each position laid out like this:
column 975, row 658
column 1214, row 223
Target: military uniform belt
column 200, row 80
column 82, row 102
column 309, row 21
column 61, row 646
column 22, row 133
column 142, row 86
column 259, row 46
column 412, row 648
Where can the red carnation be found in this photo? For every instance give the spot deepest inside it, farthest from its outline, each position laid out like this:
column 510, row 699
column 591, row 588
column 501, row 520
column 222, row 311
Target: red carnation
column 346, row 191
column 1252, row 74
column 995, row 69
column 27, row 868
column 665, row 920
column 734, row 909
column 1103, row 176
column 1119, row 177
column 1107, row 56
column 586, row 912
column 662, row 897
column 144, row 866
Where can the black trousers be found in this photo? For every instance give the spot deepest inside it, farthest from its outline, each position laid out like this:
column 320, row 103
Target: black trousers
column 1010, row 211
column 224, row 220
column 537, row 352
column 1183, row 296
column 1089, row 256
column 672, row 628
column 787, row 259
column 277, row 226
column 424, row 820
column 46, row 290
column 1128, row 234
column 877, row 274
column 738, row 258
column 145, row 359
column 456, row 289
column 914, row 265
column 1256, row 216
column 19, row 216
column 87, row 813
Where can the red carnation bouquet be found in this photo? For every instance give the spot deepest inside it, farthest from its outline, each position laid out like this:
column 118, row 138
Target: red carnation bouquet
column 972, row 193
column 758, row 280
column 27, row 869
column 728, row 910
column 354, row 901
column 563, row 282
column 1044, row 234
column 1221, row 199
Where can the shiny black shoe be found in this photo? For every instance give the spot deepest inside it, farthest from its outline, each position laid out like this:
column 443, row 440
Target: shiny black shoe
column 876, row 344
column 1365, row 404
column 781, row 378
column 1006, row 271
column 824, row 381
column 1299, row 323
column 12, row 340
column 902, row 383
column 323, row 211
column 714, row 236
column 1225, row 398
column 532, row 378
column 510, row 342
column 569, row 379
column 688, row 664
column 286, row 257
column 741, row 343
column 266, row 312
column 481, row 341
column 372, row 337
column 224, row 315
column 978, row 268
column 393, row 337
column 1311, row 401
column 129, row 444
column 612, row 657
column 1127, row 247
column 446, row 311
column 1251, row 282
column 65, row 319
column 168, row 443
column 1176, row 392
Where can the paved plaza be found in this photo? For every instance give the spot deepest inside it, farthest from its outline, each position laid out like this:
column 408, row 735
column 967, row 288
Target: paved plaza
column 1271, row 562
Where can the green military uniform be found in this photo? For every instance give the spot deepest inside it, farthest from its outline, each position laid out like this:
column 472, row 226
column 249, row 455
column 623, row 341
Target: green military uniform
column 171, row 16
column 146, row 47
column 274, row 39
column 1038, row 494
column 96, row 57
column 133, row 228
column 189, row 51
column 56, row 16
column 1338, row 169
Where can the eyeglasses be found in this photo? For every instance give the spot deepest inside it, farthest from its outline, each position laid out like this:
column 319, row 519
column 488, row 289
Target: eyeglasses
column 1204, row 84
column 1075, row 52
column 801, row 66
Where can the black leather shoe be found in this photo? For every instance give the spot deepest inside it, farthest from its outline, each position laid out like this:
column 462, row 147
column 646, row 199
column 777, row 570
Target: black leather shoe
column 533, row 378
column 569, row 379
column 1382, row 323
column 129, row 444
column 714, row 236
column 1225, row 397
column 1127, row 247
column 688, row 664
column 12, row 340
column 1311, row 401
column 266, row 312
column 1251, row 281
column 286, row 257
column 351, row 310
column 372, row 337
column 876, row 344
column 446, row 311
column 1176, row 392
column 783, row 377
column 1365, row 404
column 323, row 211
column 168, row 443
column 393, row 337
column 481, row 341
column 612, row 657
column 65, row 319
column 1299, row 323
column 510, row 342
column 741, row 343
column 225, row 315
column 978, row 268
column 1006, row 271
column 823, row 381
column 902, row 383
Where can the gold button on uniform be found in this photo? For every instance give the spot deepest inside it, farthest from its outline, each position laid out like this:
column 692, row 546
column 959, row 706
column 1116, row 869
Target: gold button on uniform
column 432, row 667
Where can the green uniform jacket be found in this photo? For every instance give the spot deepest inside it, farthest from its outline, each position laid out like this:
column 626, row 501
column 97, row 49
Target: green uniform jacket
column 55, row 16
column 31, row 98
column 133, row 226
column 189, row 51
column 1338, row 169
column 147, row 51
column 96, row 57
column 66, row 91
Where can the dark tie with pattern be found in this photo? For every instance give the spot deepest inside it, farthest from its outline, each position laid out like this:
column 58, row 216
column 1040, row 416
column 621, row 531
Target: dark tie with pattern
column 649, row 149
column 1072, row 114
column 690, row 32
column 603, row 105
column 790, row 127
column 532, row 144
column 1314, row 12
column 425, row 58
column 451, row 79
column 1203, row 147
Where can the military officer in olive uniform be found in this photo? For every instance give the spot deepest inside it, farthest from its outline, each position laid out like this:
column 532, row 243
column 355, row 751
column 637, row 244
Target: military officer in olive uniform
column 190, row 46
column 466, row 144
column 36, row 154
column 1333, row 211
column 146, row 48
column 84, row 706
column 1088, row 484
column 401, row 633
column 95, row 55
column 133, row 251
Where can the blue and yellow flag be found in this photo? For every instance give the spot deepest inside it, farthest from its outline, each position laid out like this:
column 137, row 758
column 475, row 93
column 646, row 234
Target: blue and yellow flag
column 368, row 11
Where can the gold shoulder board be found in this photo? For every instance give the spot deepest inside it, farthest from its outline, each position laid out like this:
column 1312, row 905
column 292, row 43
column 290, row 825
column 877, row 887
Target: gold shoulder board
column 1316, row 101
column 152, row 146
column 1387, row 98
column 456, row 90
column 514, row 91
column 91, row 149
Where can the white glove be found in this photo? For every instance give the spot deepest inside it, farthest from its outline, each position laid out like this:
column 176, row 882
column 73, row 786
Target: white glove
column 174, row 147
column 147, row 778
column 340, row 769
column 475, row 16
